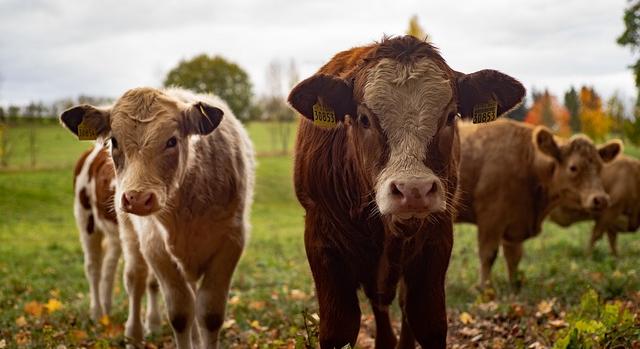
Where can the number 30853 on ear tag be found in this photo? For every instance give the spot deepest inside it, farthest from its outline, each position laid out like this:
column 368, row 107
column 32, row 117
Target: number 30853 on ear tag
column 485, row 112
column 86, row 133
column 323, row 116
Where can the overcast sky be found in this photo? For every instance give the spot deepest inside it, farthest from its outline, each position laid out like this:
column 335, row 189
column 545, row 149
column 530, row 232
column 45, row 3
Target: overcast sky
column 51, row 49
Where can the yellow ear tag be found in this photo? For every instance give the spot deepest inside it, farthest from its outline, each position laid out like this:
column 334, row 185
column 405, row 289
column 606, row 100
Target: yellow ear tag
column 323, row 116
column 485, row 112
column 86, row 133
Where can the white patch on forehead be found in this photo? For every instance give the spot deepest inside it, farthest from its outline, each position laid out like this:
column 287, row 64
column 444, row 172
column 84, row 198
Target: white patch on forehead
column 409, row 100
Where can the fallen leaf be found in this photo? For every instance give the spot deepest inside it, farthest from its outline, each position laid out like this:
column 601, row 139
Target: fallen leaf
column 298, row 295
column 466, row 318
column 235, row 300
column 53, row 305
column 104, row 320
column 545, row 307
column 78, row 335
column 469, row 332
column 21, row 321
column 255, row 325
column 558, row 323
column 23, row 338
column 33, row 308
column 228, row 323
column 257, row 305
column 3, row 343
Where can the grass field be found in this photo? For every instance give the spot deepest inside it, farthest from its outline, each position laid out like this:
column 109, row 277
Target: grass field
column 272, row 302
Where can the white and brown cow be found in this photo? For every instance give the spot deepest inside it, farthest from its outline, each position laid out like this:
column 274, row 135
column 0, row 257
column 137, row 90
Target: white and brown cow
column 94, row 211
column 184, row 184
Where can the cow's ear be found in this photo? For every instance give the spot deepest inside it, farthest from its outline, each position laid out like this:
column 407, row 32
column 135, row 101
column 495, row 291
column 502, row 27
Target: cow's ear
column 544, row 140
column 86, row 121
column 323, row 95
column 487, row 94
column 610, row 150
column 202, row 118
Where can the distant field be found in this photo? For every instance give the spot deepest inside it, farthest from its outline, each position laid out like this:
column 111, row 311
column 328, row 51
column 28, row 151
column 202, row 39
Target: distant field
column 272, row 294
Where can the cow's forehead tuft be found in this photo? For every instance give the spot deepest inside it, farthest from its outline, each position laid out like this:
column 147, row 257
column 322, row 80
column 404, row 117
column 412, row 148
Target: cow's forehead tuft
column 143, row 105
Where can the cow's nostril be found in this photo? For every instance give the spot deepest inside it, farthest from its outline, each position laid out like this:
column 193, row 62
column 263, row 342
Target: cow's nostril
column 149, row 200
column 125, row 201
column 395, row 191
column 433, row 189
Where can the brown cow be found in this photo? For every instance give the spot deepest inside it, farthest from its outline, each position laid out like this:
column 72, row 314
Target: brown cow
column 94, row 211
column 184, row 185
column 376, row 168
column 621, row 179
column 513, row 174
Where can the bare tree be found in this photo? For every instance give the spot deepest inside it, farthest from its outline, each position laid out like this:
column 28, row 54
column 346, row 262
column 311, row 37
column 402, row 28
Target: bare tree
column 275, row 107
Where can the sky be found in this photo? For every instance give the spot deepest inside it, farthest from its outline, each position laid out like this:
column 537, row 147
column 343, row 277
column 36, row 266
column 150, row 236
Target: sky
column 52, row 49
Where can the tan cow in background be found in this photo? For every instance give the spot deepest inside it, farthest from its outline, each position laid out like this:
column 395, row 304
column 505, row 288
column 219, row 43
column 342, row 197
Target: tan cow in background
column 184, row 182
column 621, row 179
column 513, row 174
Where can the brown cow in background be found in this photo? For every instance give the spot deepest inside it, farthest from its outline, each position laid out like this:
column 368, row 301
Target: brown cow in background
column 621, row 179
column 94, row 211
column 376, row 169
column 512, row 175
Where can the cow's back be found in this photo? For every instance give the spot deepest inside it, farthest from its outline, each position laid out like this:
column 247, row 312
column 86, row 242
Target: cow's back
column 496, row 172
column 94, row 187
column 621, row 179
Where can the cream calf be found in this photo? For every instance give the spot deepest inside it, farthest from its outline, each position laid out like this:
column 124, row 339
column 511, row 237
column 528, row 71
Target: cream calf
column 184, row 182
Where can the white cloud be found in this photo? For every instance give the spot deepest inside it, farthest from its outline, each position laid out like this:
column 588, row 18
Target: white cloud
column 59, row 48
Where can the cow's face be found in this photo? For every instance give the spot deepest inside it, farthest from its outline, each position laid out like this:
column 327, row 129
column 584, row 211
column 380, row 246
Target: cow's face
column 400, row 115
column 575, row 174
column 149, row 135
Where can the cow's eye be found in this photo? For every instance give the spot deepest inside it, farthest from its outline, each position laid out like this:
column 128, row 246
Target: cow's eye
column 364, row 121
column 172, row 142
column 573, row 168
column 451, row 119
column 114, row 143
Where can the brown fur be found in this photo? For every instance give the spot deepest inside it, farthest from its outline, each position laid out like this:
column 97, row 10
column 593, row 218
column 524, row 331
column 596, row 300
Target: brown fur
column 348, row 243
column 511, row 176
column 621, row 179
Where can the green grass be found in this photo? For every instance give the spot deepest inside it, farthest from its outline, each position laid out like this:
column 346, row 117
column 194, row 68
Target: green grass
column 41, row 258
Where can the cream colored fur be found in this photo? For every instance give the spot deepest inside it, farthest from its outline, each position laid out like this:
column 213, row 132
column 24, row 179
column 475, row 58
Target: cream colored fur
column 409, row 100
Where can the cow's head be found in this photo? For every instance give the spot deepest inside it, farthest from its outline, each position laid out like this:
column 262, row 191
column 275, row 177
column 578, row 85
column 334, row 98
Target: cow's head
column 400, row 104
column 575, row 170
column 149, row 134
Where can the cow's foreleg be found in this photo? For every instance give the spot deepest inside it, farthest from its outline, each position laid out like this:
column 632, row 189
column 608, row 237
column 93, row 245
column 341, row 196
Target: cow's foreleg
column 488, row 244
column 612, row 236
column 513, row 255
column 596, row 234
column 92, row 247
column 109, row 269
column 213, row 292
column 424, row 277
column 135, row 273
column 153, row 320
column 337, row 299
column 178, row 294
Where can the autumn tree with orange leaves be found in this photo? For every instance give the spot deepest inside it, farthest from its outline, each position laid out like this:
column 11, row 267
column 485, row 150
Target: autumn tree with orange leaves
column 546, row 110
column 595, row 122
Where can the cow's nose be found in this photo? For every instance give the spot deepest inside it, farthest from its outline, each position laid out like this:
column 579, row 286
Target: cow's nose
column 599, row 202
column 414, row 195
column 139, row 203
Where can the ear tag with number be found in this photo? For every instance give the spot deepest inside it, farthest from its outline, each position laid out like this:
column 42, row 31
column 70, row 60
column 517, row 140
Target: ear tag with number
column 323, row 116
column 485, row 112
column 86, row 132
